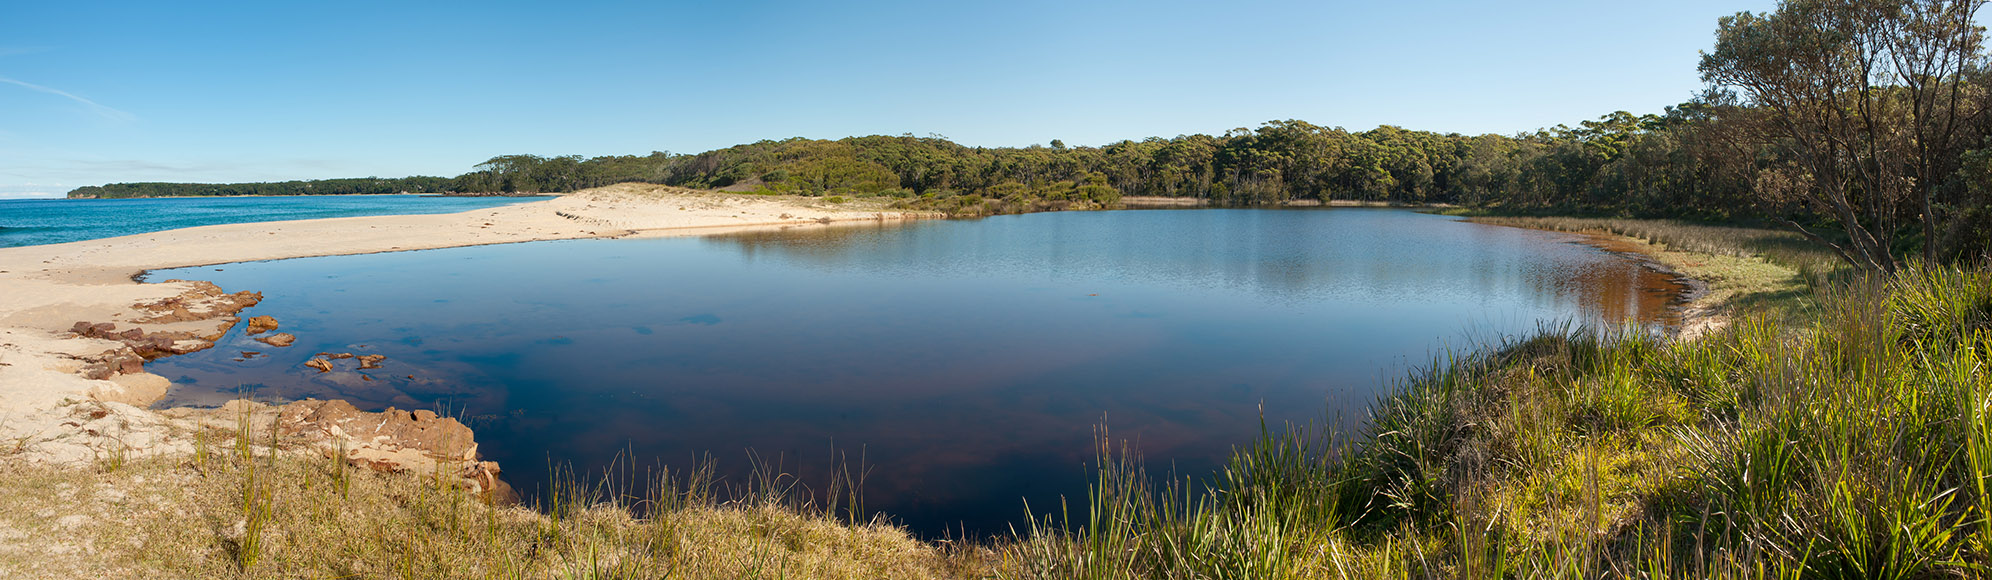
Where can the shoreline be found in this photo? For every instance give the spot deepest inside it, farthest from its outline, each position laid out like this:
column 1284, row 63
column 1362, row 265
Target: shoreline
column 1697, row 316
column 77, row 324
column 1702, row 307
column 78, row 321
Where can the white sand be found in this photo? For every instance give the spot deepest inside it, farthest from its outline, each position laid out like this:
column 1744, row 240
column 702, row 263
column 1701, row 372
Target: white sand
column 50, row 412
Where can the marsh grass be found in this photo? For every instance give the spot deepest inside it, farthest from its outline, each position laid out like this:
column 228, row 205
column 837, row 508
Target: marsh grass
column 1856, row 446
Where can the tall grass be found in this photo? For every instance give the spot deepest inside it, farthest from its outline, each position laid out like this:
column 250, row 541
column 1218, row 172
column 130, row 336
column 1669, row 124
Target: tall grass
column 1855, row 446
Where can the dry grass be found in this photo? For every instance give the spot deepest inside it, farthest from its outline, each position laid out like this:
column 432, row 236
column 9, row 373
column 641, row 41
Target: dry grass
column 302, row 516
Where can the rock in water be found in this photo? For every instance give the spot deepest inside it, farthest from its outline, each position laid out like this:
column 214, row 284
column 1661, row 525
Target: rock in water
column 323, row 366
column 278, row 339
column 371, row 361
column 262, row 324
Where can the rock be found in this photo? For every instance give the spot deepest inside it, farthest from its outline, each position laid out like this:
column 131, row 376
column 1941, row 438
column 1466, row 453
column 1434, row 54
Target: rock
column 202, row 301
column 323, row 366
column 189, row 345
column 96, row 371
column 371, row 361
column 132, row 334
column 129, row 365
column 262, row 324
column 279, row 339
column 138, row 390
column 336, row 355
column 396, row 441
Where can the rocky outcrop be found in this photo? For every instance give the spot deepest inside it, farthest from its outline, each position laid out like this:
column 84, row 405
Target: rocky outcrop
column 144, row 345
column 202, row 301
column 280, row 339
column 395, row 441
column 135, row 348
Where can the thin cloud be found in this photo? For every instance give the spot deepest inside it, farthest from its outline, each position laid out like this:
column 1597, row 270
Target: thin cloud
column 107, row 112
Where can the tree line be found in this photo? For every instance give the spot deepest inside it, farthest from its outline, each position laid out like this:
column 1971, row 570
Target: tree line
column 1861, row 123
column 347, row 186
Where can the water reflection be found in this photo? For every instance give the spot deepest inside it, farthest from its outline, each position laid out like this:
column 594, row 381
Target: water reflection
column 969, row 361
column 1279, row 255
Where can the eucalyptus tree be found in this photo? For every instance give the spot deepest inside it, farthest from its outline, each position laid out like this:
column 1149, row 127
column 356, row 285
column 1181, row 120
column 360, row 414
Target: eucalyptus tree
column 1870, row 100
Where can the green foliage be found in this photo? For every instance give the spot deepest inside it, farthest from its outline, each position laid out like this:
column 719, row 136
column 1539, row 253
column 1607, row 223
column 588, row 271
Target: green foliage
column 1587, row 168
column 1854, row 445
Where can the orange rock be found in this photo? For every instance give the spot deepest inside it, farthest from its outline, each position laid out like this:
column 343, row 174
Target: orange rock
column 262, row 324
column 396, row 441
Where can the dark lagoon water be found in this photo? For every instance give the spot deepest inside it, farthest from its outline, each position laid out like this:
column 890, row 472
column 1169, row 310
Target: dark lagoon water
column 29, row 222
column 969, row 363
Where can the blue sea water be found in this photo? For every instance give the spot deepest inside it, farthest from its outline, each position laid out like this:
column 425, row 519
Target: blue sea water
column 31, row 222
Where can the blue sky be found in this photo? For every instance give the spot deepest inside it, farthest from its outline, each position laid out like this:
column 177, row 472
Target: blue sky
column 93, row 92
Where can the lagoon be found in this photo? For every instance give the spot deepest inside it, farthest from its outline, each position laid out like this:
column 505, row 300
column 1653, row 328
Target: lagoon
column 970, row 364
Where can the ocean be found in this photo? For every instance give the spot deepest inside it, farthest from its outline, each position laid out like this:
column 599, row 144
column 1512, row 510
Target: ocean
column 31, row 222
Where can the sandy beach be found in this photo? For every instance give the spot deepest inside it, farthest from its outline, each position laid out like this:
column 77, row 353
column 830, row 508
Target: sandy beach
column 69, row 392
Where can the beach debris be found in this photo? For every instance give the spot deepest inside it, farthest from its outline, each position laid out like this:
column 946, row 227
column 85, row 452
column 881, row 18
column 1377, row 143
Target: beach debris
column 262, row 324
column 323, row 366
column 279, row 339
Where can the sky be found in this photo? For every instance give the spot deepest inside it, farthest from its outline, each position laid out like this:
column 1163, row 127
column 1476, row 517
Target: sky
column 98, row 92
